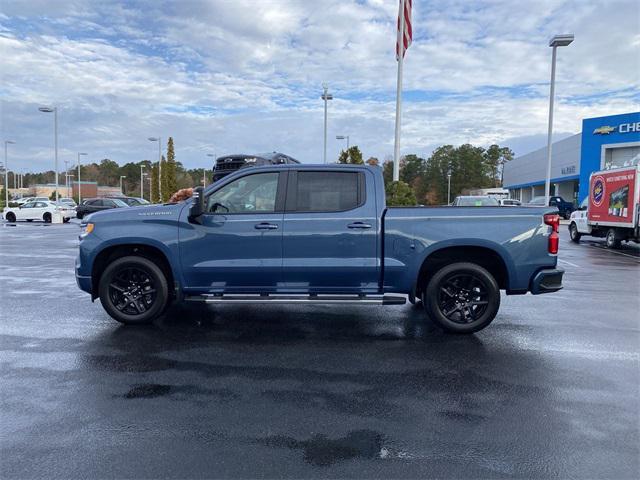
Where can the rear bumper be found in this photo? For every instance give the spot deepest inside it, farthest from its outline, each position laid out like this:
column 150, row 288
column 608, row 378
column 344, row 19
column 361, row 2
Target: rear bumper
column 547, row 281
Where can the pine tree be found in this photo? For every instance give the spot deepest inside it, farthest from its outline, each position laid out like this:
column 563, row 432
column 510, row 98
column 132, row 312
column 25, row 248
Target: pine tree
column 170, row 168
column 163, row 180
column 353, row 155
column 154, row 183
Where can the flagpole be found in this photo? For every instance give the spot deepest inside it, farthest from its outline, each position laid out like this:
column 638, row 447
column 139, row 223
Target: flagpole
column 400, row 54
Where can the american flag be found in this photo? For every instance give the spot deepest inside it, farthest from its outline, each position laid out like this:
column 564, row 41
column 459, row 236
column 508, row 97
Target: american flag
column 407, row 34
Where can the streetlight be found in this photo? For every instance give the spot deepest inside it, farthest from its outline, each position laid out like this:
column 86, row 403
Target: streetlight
column 66, row 176
column 69, row 177
column 141, row 181
column 79, row 184
column 55, row 137
column 157, row 139
column 449, row 186
column 121, row 177
column 343, row 137
column 326, row 96
column 6, row 173
column 555, row 42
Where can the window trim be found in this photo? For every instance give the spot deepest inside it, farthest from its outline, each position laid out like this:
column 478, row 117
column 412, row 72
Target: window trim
column 292, row 191
column 281, row 190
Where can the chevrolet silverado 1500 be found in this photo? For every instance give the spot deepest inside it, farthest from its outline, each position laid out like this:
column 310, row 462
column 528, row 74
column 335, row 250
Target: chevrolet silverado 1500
column 305, row 233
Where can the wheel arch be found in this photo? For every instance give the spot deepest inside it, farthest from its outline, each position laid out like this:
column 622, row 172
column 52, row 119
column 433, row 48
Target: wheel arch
column 151, row 252
column 487, row 257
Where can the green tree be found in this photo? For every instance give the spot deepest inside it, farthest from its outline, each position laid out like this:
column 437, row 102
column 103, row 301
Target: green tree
column 171, row 170
column 163, row 180
column 352, row 155
column 411, row 168
column 108, row 173
column 155, row 198
column 399, row 193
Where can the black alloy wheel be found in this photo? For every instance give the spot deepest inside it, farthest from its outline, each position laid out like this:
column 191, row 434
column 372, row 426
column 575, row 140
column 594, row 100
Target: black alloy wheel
column 133, row 290
column 11, row 217
column 462, row 298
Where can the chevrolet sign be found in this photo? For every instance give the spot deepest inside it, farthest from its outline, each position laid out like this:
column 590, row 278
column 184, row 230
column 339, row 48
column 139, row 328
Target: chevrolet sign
column 605, row 130
column 622, row 128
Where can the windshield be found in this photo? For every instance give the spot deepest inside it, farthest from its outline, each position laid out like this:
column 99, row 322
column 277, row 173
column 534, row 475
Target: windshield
column 477, row 202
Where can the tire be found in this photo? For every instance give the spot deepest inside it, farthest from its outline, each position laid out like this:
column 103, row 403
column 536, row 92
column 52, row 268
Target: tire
column 29, row 219
column 123, row 279
column 461, row 283
column 10, row 217
column 612, row 239
column 66, row 220
column 79, row 216
column 574, row 233
column 567, row 215
column 46, row 217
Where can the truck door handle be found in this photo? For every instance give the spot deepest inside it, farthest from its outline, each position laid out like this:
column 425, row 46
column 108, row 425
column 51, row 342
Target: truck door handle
column 265, row 226
column 359, row 225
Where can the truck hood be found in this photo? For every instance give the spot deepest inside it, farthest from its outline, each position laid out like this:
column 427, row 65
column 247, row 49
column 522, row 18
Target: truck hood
column 167, row 211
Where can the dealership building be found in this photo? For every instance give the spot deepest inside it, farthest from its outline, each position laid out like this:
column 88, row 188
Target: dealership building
column 605, row 142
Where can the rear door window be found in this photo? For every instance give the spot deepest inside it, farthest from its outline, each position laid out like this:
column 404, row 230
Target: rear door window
column 328, row 191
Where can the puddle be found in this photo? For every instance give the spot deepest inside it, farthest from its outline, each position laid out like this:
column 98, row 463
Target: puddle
column 323, row 451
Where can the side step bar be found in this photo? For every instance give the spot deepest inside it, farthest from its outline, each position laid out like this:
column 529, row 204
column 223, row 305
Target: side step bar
column 303, row 298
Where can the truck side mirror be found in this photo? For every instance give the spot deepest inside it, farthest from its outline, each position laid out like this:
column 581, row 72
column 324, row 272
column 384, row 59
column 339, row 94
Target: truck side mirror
column 197, row 205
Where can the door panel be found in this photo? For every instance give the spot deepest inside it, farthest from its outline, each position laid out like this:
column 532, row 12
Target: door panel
column 336, row 249
column 237, row 247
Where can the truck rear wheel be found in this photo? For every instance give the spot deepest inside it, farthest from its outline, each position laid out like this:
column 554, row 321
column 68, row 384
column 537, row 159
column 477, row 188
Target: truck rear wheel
column 133, row 290
column 574, row 233
column 462, row 298
column 613, row 239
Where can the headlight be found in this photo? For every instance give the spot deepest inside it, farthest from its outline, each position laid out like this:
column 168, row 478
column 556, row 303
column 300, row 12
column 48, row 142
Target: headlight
column 87, row 228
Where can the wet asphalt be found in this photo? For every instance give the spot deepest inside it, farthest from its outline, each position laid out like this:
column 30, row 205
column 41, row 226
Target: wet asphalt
column 549, row 390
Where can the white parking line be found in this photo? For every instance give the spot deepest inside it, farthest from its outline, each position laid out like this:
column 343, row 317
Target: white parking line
column 569, row 263
column 614, row 251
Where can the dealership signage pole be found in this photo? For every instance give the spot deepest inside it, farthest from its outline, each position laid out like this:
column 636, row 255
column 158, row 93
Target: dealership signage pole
column 556, row 41
column 403, row 41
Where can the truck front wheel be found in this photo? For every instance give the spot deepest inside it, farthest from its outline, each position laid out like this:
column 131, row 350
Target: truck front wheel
column 462, row 298
column 574, row 233
column 133, row 290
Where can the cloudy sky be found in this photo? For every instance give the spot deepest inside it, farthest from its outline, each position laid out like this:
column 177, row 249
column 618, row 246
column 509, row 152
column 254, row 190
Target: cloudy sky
column 224, row 76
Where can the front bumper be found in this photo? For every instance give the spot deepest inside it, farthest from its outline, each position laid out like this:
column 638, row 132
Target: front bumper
column 547, row 281
column 84, row 281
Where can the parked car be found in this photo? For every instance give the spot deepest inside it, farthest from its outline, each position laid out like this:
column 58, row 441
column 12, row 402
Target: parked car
column 564, row 208
column 37, row 210
column 92, row 205
column 509, row 202
column 230, row 163
column 475, row 201
column 133, row 201
column 314, row 234
column 68, row 201
column 22, row 200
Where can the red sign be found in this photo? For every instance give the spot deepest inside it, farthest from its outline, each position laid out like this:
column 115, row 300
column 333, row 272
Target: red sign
column 612, row 196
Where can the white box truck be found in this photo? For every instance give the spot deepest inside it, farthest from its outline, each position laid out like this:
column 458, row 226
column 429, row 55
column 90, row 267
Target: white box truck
column 612, row 208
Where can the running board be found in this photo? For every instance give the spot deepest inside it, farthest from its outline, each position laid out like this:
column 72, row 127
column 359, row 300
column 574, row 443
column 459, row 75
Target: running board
column 303, row 298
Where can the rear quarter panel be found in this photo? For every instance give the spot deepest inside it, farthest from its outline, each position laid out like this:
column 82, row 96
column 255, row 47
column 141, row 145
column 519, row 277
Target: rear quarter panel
column 517, row 234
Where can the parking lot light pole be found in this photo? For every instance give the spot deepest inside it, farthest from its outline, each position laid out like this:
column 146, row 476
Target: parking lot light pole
column 121, row 177
column 142, row 180
column 204, row 174
column 6, row 173
column 448, row 187
column 55, row 140
column 157, row 139
column 326, row 96
column 343, row 137
column 555, row 42
column 79, row 184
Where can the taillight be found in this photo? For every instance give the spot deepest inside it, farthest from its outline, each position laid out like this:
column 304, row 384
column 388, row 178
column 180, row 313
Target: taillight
column 553, row 220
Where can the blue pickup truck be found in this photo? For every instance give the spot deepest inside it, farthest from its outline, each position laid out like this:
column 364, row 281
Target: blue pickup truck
column 316, row 234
